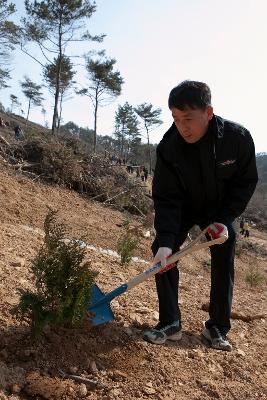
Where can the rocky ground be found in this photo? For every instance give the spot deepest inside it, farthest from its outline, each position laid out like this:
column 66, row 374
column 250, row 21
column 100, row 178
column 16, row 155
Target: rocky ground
column 112, row 361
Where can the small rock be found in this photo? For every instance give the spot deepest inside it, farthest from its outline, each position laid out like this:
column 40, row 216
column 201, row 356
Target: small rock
column 19, row 262
column 148, row 389
column 70, row 390
column 93, row 367
column 115, row 304
column 128, row 330
column 197, row 353
column 73, row 370
column 143, row 310
column 83, row 390
column 241, row 353
column 136, row 318
column 155, row 315
column 15, row 388
column 115, row 392
column 119, row 375
column 191, row 354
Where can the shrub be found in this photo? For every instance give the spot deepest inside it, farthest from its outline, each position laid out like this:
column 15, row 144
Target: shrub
column 206, row 264
column 253, row 277
column 63, row 281
column 127, row 244
column 247, row 246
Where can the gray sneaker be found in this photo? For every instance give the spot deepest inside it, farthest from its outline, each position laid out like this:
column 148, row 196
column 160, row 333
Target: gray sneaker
column 216, row 339
column 161, row 333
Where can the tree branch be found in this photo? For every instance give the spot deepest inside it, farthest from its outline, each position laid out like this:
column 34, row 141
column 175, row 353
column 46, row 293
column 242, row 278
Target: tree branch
column 28, row 54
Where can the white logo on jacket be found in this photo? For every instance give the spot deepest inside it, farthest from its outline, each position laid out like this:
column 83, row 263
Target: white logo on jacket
column 227, row 162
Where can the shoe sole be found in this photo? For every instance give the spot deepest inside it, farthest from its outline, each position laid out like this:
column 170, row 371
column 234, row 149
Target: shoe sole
column 205, row 333
column 174, row 338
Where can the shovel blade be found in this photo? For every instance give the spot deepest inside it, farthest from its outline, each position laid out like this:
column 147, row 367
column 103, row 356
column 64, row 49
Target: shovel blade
column 100, row 310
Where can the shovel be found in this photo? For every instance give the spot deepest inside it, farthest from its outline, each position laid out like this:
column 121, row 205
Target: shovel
column 100, row 309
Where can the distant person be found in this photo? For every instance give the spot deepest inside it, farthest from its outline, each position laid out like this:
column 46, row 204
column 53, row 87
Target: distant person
column 142, row 174
column 242, row 226
column 2, row 122
column 205, row 172
column 145, row 173
column 246, row 229
column 18, row 132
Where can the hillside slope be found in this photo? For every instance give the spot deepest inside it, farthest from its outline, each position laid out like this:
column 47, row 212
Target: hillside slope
column 115, row 355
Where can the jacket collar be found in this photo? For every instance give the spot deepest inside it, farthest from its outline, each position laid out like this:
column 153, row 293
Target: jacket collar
column 174, row 144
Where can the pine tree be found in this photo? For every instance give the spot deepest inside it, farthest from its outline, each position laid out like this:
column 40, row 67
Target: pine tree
column 62, row 279
column 65, row 79
column 32, row 91
column 104, row 85
column 53, row 25
column 9, row 37
column 14, row 102
column 150, row 119
column 126, row 128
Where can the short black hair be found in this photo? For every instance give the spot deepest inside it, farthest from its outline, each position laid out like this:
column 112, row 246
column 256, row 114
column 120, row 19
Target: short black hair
column 190, row 94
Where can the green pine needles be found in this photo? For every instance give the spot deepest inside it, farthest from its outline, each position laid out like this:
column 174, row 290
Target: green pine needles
column 63, row 281
column 127, row 244
column 253, row 278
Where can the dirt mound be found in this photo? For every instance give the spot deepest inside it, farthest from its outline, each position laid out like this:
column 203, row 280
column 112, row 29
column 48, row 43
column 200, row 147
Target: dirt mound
column 112, row 361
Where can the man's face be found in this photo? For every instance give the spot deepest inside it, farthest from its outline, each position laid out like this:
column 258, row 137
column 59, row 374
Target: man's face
column 192, row 124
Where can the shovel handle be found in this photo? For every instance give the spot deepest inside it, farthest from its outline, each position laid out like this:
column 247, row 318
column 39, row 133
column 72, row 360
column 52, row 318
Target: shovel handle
column 192, row 247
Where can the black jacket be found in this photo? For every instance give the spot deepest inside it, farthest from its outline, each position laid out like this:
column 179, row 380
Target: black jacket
column 211, row 180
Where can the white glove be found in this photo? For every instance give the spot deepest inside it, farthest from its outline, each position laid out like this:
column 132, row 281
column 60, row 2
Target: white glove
column 162, row 254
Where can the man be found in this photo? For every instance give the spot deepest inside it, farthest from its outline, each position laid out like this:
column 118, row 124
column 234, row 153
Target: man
column 205, row 172
column 242, row 231
column 18, row 132
column 246, row 229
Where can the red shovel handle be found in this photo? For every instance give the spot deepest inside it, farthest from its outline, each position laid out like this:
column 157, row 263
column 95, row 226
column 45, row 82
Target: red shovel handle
column 215, row 231
column 170, row 266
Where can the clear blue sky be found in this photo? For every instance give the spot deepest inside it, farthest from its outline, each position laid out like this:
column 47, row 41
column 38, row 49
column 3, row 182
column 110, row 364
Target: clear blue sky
column 159, row 43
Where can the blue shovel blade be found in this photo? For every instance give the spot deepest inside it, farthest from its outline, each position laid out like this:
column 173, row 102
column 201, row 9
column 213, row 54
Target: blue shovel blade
column 100, row 304
column 101, row 310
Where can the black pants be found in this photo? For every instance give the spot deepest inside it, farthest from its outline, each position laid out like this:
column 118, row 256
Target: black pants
column 222, row 282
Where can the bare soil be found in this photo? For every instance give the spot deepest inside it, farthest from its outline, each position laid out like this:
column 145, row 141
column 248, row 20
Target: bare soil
column 113, row 357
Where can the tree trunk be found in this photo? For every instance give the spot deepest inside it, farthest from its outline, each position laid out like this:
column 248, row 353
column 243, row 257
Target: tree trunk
column 60, row 111
column 55, row 115
column 29, row 106
column 149, row 151
column 122, row 141
column 95, row 125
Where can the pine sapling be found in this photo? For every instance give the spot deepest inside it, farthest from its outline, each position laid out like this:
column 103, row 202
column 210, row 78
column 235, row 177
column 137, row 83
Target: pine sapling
column 62, row 281
column 126, row 245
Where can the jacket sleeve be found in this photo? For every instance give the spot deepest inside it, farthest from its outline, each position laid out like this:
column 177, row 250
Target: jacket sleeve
column 167, row 197
column 241, row 186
